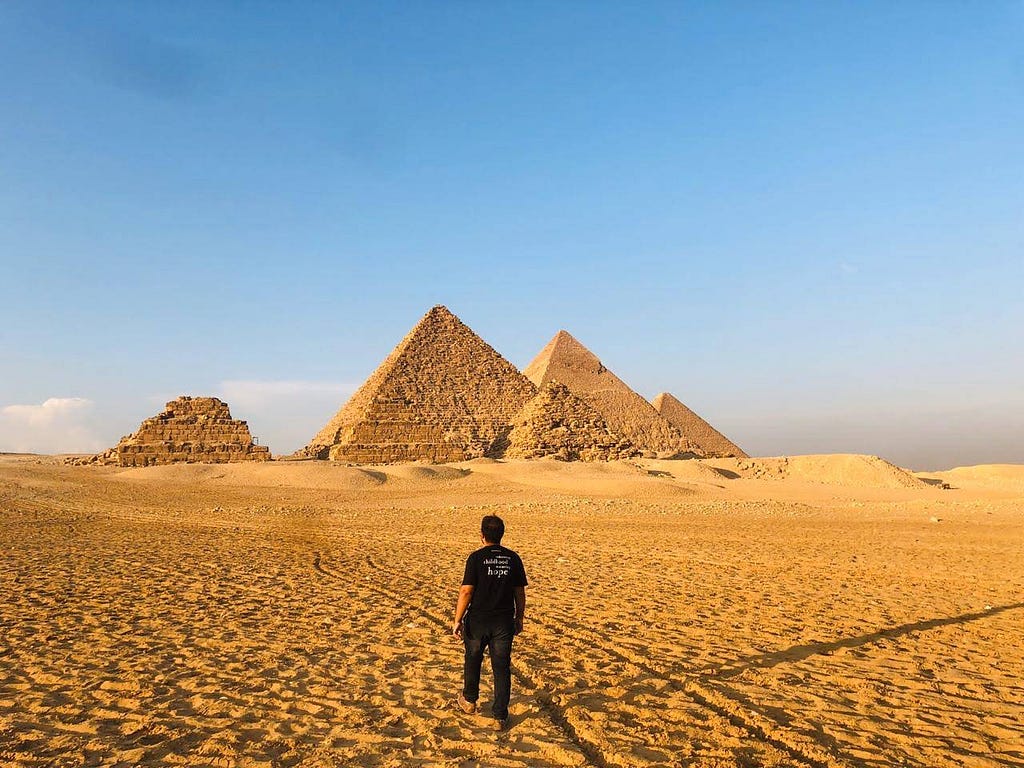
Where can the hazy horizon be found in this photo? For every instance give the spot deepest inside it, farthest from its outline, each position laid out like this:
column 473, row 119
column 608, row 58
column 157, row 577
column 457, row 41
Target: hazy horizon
column 803, row 221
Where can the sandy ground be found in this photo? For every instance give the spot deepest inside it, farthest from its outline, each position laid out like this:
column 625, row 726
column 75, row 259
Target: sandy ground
column 812, row 611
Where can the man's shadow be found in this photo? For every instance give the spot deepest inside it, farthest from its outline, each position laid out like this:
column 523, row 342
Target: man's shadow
column 801, row 652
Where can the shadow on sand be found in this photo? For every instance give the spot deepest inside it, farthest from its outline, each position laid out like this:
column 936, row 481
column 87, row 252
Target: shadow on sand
column 801, row 652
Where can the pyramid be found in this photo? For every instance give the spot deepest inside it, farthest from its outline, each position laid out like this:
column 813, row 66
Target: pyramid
column 558, row 424
column 190, row 429
column 706, row 439
column 442, row 395
column 568, row 362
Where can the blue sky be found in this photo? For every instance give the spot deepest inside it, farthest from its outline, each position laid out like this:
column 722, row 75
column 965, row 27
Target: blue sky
column 806, row 220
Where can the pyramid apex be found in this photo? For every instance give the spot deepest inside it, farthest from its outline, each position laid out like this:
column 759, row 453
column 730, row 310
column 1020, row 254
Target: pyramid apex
column 438, row 313
column 564, row 350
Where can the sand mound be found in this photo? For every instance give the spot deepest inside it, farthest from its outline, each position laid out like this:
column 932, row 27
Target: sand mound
column 296, row 474
column 614, row 478
column 846, row 469
column 315, row 475
column 687, row 471
column 1008, row 477
column 418, row 473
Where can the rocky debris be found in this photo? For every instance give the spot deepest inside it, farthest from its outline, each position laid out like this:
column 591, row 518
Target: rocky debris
column 558, row 424
column 442, row 395
column 190, row 429
column 704, row 438
column 568, row 362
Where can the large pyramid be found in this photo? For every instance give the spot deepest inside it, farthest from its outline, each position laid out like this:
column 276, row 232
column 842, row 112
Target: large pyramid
column 560, row 425
column 707, row 440
column 442, row 395
column 568, row 362
column 190, row 429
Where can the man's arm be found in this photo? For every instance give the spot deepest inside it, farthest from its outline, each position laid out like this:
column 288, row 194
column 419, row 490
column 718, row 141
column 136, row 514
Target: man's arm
column 465, row 598
column 520, row 596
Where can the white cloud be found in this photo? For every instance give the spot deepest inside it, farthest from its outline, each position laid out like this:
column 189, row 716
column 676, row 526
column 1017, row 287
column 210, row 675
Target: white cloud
column 284, row 414
column 58, row 425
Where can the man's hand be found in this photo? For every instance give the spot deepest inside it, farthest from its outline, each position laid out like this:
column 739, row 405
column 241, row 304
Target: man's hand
column 520, row 597
column 465, row 598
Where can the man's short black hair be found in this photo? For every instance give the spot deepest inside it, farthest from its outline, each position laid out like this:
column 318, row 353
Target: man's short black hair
column 492, row 528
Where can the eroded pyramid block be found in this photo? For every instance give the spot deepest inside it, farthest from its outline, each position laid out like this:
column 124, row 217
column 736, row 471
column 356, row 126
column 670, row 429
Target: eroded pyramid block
column 442, row 395
column 706, row 439
column 566, row 361
column 190, row 429
column 558, row 424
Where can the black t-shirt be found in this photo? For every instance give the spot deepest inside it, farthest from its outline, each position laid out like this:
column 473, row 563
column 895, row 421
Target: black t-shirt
column 494, row 572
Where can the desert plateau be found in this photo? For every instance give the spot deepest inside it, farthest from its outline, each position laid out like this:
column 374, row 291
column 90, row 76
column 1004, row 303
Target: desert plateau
column 808, row 611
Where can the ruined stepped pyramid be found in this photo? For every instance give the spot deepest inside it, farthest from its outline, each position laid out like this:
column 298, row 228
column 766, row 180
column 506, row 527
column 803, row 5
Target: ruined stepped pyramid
column 568, row 362
column 442, row 395
column 706, row 439
column 190, row 429
column 559, row 425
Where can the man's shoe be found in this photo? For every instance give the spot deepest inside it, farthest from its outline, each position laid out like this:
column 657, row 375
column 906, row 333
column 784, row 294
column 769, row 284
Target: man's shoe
column 500, row 724
column 467, row 706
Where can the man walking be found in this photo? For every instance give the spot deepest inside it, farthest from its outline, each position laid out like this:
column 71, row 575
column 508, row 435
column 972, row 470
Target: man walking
column 489, row 612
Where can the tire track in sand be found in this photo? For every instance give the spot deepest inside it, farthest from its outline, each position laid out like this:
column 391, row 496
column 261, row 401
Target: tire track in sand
column 800, row 747
column 556, row 715
column 732, row 708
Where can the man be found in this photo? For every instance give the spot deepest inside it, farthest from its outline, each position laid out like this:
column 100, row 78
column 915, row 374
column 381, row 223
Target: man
column 489, row 612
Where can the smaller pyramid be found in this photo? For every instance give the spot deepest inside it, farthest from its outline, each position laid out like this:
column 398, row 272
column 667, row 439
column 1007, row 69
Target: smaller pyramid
column 559, row 425
column 442, row 395
column 189, row 430
column 568, row 362
column 707, row 440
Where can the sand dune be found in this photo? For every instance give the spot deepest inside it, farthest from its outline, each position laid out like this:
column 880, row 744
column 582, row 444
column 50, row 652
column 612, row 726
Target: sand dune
column 1006, row 477
column 616, row 478
column 621, row 478
column 296, row 613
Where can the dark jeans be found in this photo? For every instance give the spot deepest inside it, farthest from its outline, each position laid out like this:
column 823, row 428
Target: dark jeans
column 493, row 632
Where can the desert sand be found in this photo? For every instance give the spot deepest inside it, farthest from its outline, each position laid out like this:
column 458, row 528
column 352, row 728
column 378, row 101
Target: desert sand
column 809, row 611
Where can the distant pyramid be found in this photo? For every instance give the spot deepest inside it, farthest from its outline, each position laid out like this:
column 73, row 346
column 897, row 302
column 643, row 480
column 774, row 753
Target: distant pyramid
column 706, row 439
column 189, row 430
column 442, row 395
column 568, row 362
column 556, row 423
